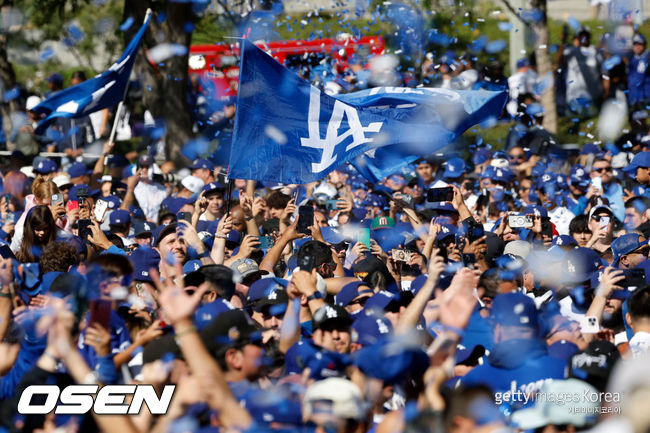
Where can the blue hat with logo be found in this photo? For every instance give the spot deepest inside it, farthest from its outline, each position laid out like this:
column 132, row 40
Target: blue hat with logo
column 45, row 166
column 514, row 309
column 143, row 260
column 72, row 194
column 380, row 300
column 369, row 329
column 113, row 201
column 119, row 216
column 638, row 38
column 579, row 176
column 641, row 159
column 454, row 168
column 143, row 228
column 504, row 175
column 535, row 210
column 332, row 235
column 579, row 265
column 191, row 266
column 175, row 204
column 201, row 163
column 565, row 240
column 351, row 291
column 267, row 291
column 207, row 312
column 625, row 244
column 78, row 169
column 212, row 187
column 391, row 360
column 481, row 155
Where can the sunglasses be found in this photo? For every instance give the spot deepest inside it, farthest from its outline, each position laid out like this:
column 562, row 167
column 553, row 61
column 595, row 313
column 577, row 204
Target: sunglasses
column 643, row 251
column 602, row 169
column 518, row 157
column 600, row 217
column 360, row 301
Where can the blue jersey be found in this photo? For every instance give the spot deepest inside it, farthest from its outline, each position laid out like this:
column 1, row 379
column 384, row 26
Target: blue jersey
column 638, row 78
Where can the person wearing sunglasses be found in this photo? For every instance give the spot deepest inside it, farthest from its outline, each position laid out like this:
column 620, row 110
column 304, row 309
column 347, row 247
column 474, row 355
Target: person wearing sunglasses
column 630, row 250
column 601, row 225
column 611, row 190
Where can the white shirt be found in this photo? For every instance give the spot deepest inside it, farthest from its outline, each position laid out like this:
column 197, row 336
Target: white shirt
column 640, row 344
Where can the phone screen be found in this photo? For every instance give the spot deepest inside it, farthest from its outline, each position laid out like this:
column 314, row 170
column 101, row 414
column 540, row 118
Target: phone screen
column 100, row 312
column 306, row 219
column 364, row 237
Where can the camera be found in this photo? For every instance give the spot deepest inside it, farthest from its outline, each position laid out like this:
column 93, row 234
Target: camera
column 520, row 221
column 82, row 193
column 165, row 178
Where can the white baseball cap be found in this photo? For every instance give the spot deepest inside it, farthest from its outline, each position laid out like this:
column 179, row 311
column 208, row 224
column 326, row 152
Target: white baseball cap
column 193, row 184
column 32, row 102
column 342, row 396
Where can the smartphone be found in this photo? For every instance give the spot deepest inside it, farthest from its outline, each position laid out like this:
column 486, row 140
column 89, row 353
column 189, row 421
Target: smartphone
column 364, row 237
column 604, row 222
column 589, row 325
column 266, row 242
column 406, row 200
column 57, row 199
column 184, row 216
column 440, row 194
column 100, row 210
column 7, row 200
column 100, row 312
column 84, row 228
column 306, row 263
column 305, row 219
column 400, row 255
column 634, row 278
column 331, row 204
column 82, row 193
column 72, row 205
column 597, row 182
column 9, row 217
column 468, row 259
column 547, row 227
column 520, row 221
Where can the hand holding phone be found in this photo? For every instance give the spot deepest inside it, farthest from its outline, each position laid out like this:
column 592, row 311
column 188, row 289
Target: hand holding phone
column 305, row 219
column 100, row 312
column 364, row 237
column 100, row 210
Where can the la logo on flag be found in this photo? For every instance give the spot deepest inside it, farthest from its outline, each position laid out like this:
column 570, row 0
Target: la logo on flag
column 332, row 138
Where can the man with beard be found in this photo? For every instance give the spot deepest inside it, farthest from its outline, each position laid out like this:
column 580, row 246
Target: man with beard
column 608, row 308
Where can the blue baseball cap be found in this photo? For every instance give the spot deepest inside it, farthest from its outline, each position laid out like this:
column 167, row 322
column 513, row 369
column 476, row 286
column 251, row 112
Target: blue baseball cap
column 454, row 168
column 113, row 201
column 207, row 312
column 580, row 264
column 579, row 177
column 332, row 235
column 119, row 216
column 191, row 266
column 369, row 329
column 212, row 187
column 273, row 405
column 535, row 210
column 481, row 155
column 514, row 309
column 201, row 163
column 175, row 204
column 469, row 355
column 625, row 244
column 391, row 361
column 72, row 194
column 142, row 228
column 266, row 291
column 565, row 240
column 143, row 260
column 45, row 166
column 381, row 300
column 78, row 169
column 351, row 291
column 441, row 206
column 641, row 159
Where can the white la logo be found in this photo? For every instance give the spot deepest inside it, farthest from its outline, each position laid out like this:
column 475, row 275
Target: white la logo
column 381, row 326
column 356, row 130
column 330, row 313
column 273, row 295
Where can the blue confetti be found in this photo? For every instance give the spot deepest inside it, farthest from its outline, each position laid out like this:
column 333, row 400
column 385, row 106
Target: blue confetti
column 75, row 32
column 495, row 46
column 504, row 26
column 127, row 24
column 11, row 94
column 573, row 23
column 47, row 53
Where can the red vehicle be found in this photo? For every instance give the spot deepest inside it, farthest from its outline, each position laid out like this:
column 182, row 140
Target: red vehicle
column 220, row 62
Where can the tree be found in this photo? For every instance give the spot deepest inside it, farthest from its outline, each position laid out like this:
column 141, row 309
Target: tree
column 544, row 63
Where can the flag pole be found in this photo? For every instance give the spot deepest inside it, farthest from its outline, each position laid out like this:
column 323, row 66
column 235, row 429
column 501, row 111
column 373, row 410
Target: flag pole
column 229, row 192
column 118, row 112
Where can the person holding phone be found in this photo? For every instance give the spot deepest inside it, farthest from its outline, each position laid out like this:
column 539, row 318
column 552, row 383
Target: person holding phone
column 611, row 190
column 601, row 224
column 40, row 230
column 120, row 224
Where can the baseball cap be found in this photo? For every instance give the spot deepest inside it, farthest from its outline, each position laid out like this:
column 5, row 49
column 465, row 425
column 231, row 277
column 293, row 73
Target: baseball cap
column 641, row 159
column 381, row 300
column 78, row 169
column 565, row 240
column 232, row 327
column 162, row 232
column 600, row 208
column 595, row 363
column 580, row 264
column 343, row 399
column 332, row 235
column 246, row 269
column 119, row 216
column 61, row 180
column 331, row 314
column 191, row 266
column 535, row 210
column 638, row 38
column 143, row 228
column 351, row 291
column 454, row 168
column 368, row 329
column 45, row 166
column 625, row 244
column 143, row 260
column 193, row 184
column 382, row 223
column 212, row 187
column 113, row 201
column 55, row 78
column 72, row 194
column 469, row 355
column 514, row 309
column 32, row 102
column 578, row 412
column 145, row 161
column 391, row 360
column 518, row 248
column 207, row 312
column 175, row 204
column 201, row 163
column 267, row 291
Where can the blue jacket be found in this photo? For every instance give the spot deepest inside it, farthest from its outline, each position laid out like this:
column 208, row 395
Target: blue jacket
column 638, row 78
column 516, row 365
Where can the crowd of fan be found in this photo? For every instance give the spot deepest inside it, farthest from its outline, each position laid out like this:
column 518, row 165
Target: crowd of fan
column 505, row 290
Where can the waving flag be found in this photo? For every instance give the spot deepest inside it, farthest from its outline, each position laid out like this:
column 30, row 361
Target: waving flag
column 103, row 91
column 288, row 131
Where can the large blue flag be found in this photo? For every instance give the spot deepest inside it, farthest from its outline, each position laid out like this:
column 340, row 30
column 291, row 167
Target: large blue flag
column 102, row 91
column 288, row 131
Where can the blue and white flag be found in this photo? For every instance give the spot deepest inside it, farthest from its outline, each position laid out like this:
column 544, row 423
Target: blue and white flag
column 105, row 90
column 288, row 131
